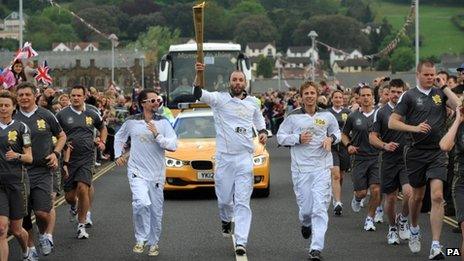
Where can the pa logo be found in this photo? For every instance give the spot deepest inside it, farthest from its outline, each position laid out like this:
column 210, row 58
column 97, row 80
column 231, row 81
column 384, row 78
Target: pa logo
column 453, row 252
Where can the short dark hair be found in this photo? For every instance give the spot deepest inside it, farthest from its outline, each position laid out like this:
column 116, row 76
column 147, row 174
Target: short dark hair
column 25, row 85
column 397, row 83
column 78, row 86
column 143, row 96
column 426, row 63
column 445, row 73
column 333, row 93
column 305, row 85
column 454, row 77
column 8, row 95
column 365, row 87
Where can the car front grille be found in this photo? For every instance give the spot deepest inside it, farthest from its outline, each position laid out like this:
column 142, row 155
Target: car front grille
column 202, row 164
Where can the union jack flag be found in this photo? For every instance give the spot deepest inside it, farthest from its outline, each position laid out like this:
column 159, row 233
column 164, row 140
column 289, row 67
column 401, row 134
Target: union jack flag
column 42, row 74
column 26, row 52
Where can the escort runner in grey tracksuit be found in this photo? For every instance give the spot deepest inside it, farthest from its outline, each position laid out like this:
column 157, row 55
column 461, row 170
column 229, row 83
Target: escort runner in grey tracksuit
column 310, row 167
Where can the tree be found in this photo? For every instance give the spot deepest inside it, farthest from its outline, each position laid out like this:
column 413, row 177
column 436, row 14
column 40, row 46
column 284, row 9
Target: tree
column 179, row 16
column 336, row 30
column 38, row 31
column 359, row 10
column 245, row 9
column 402, row 59
column 265, row 66
column 383, row 64
column 141, row 23
column 139, row 7
column 255, row 28
column 102, row 18
column 216, row 22
column 9, row 44
column 155, row 42
column 56, row 15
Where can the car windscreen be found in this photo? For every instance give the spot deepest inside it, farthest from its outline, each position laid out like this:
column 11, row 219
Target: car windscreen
column 195, row 127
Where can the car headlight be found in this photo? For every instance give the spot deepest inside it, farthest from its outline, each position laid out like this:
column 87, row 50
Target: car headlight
column 170, row 162
column 259, row 160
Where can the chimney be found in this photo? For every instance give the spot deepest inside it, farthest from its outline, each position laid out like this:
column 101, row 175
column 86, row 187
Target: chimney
column 78, row 63
column 92, row 62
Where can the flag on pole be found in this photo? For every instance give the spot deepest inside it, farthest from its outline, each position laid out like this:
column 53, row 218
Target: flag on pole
column 26, row 52
column 43, row 74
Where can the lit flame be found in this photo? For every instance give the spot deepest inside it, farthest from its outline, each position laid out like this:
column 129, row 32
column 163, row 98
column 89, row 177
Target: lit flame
column 202, row 5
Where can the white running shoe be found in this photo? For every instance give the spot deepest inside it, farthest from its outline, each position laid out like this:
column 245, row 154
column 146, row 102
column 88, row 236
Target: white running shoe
column 32, row 255
column 72, row 214
column 363, row 202
column 139, row 247
column 81, row 233
column 392, row 237
column 414, row 243
column 436, row 253
column 45, row 245
column 355, row 205
column 88, row 220
column 378, row 218
column 403, row 226
column 369, row 224
column 153, row 250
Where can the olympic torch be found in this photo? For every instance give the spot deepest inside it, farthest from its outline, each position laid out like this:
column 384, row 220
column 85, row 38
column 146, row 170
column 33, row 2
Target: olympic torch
column 198, row 18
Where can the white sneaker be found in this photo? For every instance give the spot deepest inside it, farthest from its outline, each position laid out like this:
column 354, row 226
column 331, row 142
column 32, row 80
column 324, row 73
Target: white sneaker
column 72, row 214
column 81, row 233
column 436, row 253
column 88, row 220
column 414, row 243
column 369, row 224
column 378, row 218
column 139, row 247
column 363, row 202
column 45, row 245
column 392, row 237
column 403, row 226
column 153, row 251
column 355, row 205
column 31, row 255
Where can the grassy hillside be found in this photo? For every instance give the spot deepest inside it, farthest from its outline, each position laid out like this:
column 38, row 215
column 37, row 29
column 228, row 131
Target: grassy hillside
column 440, row 34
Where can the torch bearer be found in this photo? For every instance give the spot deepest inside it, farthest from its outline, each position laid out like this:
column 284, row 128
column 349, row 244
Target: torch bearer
column 198, row 16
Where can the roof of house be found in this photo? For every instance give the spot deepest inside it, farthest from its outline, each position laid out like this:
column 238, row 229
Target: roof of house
column 72, row 45
column 299, row 49
column 353, row 62
column 298, row 60
column 259, row 45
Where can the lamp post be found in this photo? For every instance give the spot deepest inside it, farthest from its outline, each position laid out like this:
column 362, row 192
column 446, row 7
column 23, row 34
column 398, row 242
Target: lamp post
column 142, row 59
column 279, row 66
column 313, row 36
column 21, row 23
column 114, row 42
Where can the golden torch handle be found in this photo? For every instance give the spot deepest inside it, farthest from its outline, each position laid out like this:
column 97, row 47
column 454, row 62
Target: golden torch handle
column 198, row 18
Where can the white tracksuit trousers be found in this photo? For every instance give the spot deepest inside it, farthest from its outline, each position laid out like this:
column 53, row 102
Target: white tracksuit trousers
column 234, row 185
column 147, row 209
column 312, row 191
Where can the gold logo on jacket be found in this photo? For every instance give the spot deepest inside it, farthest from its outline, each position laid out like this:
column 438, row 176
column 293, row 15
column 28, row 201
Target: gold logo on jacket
column 88, row 120
column 12, row 136
column 436, row 99
column 41, row 124
column 319, row 122
column 344, row 116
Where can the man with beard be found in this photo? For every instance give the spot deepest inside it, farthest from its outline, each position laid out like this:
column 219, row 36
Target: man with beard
column 235, row 115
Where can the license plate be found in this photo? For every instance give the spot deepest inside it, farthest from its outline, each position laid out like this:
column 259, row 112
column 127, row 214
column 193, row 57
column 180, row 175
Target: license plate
column 205, row 176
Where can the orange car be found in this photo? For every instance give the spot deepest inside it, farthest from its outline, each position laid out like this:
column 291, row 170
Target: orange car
column 191, row 166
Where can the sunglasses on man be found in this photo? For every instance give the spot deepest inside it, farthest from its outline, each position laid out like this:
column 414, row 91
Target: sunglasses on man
column 152, row 100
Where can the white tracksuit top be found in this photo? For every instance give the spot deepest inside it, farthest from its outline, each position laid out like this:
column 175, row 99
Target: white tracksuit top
column 234, row 119
column 146, row 155
column 311, row 156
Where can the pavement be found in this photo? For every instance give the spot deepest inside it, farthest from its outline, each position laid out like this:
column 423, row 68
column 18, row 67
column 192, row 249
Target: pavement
column 191, row 227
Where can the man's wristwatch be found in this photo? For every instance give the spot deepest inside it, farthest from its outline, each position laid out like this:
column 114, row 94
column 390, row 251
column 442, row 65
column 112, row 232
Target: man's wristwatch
column 19, row 156
column 443, row 87
column 66, row 163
